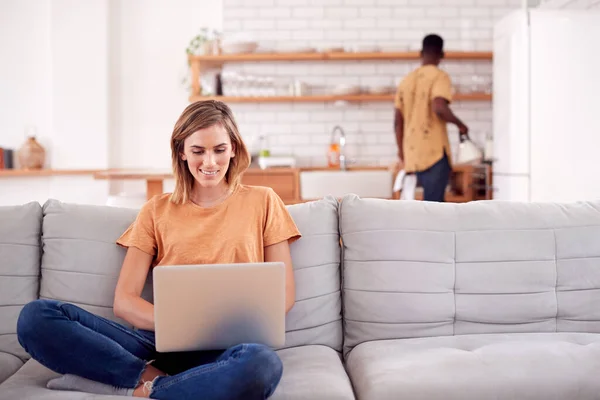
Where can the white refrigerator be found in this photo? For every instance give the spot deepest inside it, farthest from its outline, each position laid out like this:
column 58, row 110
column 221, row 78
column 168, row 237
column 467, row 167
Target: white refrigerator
column 546, row 106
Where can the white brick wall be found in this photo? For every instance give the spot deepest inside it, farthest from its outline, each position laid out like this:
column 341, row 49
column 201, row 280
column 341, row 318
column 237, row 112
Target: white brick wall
column 572, row 4
column 303, row 129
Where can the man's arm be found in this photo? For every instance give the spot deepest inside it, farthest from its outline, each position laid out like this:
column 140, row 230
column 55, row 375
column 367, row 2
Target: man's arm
column 399, row 129
column 442, row 109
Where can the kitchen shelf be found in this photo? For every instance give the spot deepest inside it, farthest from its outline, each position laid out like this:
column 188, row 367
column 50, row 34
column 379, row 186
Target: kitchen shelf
column 336, row 56
column 198, row 62
column 329, row 98
column 16, row 173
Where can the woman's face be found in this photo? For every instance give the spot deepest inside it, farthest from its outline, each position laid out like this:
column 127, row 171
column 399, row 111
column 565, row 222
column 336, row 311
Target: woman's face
column 208, row 153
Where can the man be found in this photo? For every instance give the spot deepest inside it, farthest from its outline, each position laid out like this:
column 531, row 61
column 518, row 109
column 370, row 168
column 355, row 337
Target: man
column 422, row 112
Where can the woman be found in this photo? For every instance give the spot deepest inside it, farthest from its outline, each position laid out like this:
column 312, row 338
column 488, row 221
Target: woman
column 210, row 218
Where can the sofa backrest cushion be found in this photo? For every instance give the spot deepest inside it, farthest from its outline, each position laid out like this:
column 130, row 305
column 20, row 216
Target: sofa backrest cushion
column 81, row 264
column 20, row 252
column 317, row 315
column 80, row 261
column 414, row 269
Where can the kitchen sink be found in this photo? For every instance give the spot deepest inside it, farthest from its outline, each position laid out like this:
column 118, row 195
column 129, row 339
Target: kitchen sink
column 364, row 183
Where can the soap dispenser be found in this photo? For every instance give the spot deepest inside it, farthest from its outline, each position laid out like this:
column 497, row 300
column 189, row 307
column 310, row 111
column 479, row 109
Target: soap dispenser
column 333, row 155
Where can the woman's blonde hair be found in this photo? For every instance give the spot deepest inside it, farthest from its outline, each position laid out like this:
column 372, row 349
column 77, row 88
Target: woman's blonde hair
column 201, row 115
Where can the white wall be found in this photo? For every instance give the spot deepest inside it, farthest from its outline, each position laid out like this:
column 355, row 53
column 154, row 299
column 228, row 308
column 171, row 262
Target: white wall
column 571, row 4
column 79, row 80
column 25, row 70
column 55, row 67
column 304, row 129
column 148, row 42
column 152, row 63
column 101, row 81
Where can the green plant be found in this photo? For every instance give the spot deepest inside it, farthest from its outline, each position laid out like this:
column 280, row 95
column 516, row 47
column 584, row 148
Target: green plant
column 204, row 36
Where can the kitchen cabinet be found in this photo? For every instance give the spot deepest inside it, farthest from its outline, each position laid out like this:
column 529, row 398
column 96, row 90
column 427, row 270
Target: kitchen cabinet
column 283, row 181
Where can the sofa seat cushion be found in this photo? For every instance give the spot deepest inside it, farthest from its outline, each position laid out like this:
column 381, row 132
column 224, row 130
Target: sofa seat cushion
column 312, row 372
column 9, row 364
column 522, row 366
column 30, row 383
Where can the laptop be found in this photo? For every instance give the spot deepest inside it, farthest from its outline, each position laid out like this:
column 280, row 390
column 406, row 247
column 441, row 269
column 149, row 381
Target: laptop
column 216, row 306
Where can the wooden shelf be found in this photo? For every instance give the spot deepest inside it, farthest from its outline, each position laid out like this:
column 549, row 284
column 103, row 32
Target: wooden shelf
column 199, row 62
column 16, row 173
column 329, row 98
column 341, row 56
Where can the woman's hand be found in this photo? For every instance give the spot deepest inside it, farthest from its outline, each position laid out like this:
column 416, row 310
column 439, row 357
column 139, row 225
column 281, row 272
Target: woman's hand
column 128, row 304
column 280, row 252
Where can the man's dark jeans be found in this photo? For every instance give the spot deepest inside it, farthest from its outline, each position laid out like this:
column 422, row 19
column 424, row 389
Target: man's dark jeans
column 435, row 179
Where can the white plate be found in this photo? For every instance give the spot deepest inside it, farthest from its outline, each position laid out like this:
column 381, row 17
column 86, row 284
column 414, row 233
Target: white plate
column 366, row 49
column 342, row 90
column 239, row 47
column 297, row 50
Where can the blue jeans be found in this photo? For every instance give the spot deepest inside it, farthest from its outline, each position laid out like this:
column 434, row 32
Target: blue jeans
column 435, row 179
column 68, row 339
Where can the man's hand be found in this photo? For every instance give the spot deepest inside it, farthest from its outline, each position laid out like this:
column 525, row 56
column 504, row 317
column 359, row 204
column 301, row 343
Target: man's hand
column 463, row 130
column 399, row 165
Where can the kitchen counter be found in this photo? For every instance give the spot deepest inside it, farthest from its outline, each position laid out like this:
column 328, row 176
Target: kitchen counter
column 284, row 181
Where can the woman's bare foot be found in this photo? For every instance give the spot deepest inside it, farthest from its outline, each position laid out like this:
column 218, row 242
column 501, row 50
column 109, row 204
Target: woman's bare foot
column 149, row 374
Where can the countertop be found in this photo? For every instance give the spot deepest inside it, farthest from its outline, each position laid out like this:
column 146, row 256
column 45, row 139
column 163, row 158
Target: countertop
column 161, row 174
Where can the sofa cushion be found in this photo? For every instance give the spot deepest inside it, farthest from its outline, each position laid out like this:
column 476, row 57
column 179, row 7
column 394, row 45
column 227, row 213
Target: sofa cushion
column 20, row 251
column 30, row 383
column 494, row 366
column 9, row 364
column 81, row 264
column 316, row 318
column 312, row 372
column 415, row 269
column 309, row 372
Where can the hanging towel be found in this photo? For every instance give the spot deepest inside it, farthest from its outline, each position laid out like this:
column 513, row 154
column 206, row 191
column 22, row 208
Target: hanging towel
column 407, row 183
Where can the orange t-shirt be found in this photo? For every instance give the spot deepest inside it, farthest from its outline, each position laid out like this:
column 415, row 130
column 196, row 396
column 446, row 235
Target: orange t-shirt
column 235, row 231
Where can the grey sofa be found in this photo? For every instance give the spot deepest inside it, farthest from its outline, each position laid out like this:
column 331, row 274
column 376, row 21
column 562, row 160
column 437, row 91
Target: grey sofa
column 485, row 300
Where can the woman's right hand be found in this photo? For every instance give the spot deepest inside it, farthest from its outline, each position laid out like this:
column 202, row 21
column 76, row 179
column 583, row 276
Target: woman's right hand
column 128, row 304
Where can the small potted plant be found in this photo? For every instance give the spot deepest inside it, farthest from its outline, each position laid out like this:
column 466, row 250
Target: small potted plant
column 206, row 42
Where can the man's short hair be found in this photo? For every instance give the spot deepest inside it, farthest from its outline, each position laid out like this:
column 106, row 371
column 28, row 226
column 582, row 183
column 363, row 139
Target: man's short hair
column 433, row 44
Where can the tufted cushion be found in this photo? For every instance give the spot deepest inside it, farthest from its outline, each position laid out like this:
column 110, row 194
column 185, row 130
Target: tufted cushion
column 414, row 269
column 312, row 372
column 81, row 262
column 528, row 366
column 9, row 364
column 319, row 366
column 316, row 316
column 20, row 252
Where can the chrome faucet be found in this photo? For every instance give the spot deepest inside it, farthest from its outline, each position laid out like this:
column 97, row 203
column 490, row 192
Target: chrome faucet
column 342, row 143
